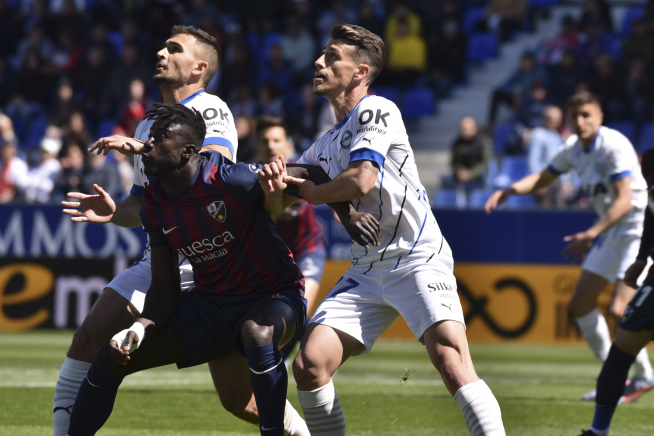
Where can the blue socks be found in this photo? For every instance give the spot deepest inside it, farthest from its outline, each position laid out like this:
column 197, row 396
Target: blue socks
column 269, row 384
column 610, row 387
column 94, row 403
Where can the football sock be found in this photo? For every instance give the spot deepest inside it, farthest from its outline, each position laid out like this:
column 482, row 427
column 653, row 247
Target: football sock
column 610, row 386
column 642, row 367
column 94, row 402
column 72, row 374
column 480, row 409
column 322, row 411
column 269, row 384
column 293, row 422
column 594, row 329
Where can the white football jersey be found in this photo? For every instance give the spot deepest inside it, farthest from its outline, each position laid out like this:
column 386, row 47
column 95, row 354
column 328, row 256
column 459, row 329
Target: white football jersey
column 610, row 157
column 374, row 131
column 220, row 130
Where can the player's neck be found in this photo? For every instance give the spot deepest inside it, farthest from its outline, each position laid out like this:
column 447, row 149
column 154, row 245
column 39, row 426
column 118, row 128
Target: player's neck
column 172, row 96
column 179, row 179
column 346, row 101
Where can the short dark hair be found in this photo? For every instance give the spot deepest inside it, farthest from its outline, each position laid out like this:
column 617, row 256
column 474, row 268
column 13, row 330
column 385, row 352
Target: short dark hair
column 190, row 120
column 581, row 98
column 370, row 48
column 208, row 48
column 269, row 122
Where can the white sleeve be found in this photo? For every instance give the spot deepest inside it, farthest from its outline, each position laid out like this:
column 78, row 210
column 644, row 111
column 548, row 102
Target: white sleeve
column 621, row 160
column 309, row 156
column 376, row 125
column 221, row 129
column 560, row 163
column 140, row 181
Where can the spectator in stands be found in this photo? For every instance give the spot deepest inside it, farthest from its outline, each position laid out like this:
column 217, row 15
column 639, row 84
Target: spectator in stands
column 67, row 16
column 131, row 65
column 565, row 75
column 197, row 11
column 40, row 180
column 298, row 47
column 64, row 106
column 605, row 82
column 638, row 45
column 447, row 57
column 98, row 170
column 12, row 171
column 66, row 52
column 449, row 10
column 401, row 12
column 339, row 13
column 531, row 111
column 471, row 152
column 92, row 79
column 72, row 167
column 247, row 141
column 407, row 56
column 8, row 82
column 367, row 18
column 276, row 70
column 271, row 104
column 245, row 105
column 543, row 145
column 238, row 74
column 35, row 78
column 76, row 130
column 595, row 42
column 505, row 16
column 596, row 11
column 638, row 86
column 125, row 173
column 307, row 122
column 518, row 84
column 7, row 133
column 36, row 42
column 134, row 111
column 551, row 51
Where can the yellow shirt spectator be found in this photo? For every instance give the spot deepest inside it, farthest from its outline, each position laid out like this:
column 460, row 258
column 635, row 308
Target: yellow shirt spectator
column 412, row 19
column 408, row 52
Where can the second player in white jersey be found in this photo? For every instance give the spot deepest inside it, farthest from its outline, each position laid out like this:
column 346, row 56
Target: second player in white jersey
column 374, row 131
column 610, row 157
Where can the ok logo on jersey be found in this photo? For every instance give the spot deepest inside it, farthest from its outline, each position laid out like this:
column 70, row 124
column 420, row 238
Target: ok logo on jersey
column 217, row 210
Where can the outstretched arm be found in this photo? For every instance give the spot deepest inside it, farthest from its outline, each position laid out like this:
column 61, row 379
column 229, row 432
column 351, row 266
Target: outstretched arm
column 527, row 185
column 101, row 209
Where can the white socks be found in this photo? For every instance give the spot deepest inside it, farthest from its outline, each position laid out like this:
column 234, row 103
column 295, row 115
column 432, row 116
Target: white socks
column 594, row 329
column 642, row 367
column 322, row 411
column 72, row 374
column 294, row 425
column 480, row 409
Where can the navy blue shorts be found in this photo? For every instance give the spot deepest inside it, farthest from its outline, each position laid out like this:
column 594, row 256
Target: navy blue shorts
column 639, row 314
column 312, row 264
column 208, row 325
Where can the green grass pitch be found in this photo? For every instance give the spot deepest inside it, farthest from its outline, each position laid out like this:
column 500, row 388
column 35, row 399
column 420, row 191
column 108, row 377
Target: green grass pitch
column 538, row 388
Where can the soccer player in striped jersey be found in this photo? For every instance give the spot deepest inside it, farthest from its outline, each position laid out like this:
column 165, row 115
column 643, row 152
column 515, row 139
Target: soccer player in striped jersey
column 636, row 326
column 370, row 162
column 247, row 295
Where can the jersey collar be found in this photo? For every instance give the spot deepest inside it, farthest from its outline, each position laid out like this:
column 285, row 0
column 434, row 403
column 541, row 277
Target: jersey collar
column 591, row 147
column 347, row 118
column 191, row 97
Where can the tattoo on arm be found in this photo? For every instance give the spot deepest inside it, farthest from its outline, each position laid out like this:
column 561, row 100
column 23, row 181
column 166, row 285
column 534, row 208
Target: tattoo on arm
column 369, row 167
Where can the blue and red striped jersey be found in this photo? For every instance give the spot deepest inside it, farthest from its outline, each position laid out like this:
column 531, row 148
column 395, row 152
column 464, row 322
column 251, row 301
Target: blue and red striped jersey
column 298, row 227
column 219, row 224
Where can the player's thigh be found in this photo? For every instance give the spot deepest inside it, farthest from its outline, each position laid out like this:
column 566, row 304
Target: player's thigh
column 110, row 314
column 231, row 378
column 311, row 289
column 312, row 266
column 275, row 320
column 622, row 294
column 589, row 286
column 632, row 342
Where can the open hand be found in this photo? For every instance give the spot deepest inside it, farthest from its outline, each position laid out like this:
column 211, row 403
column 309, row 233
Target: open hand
column 121, row 144
column 98, row 209
column 579, row 244
column 498, row 198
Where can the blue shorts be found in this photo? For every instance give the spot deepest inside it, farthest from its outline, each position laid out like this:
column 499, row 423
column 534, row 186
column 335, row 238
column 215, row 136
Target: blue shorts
column 208, row 325
column 312, row 264
column 639, row 314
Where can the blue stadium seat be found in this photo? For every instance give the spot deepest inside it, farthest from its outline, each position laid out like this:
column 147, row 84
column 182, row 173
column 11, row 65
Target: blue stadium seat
column 515, row 167
column 632, row 14
column 501, row 134
column 445, row 197
column 478, row 198
column 482, row 46
column 269, row 40
column 389, row 92
column 472, row 17
column 105, row 128
column 521, row 202
column 646, row 140
column 117, row 40
column 35, row 134
column 418, row 102
column 627, row 128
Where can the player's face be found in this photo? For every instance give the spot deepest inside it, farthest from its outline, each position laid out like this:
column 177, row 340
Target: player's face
column 274, row 144
column 162, row 153
column 585, row 120
column 335, row 68
column 176, row 61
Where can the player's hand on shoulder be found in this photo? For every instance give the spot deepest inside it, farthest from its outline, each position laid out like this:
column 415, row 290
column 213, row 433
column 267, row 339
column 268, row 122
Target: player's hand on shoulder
column 271, row 176
column 363, row 228
column 497, row 199
column 122, row 144
column 97, row 209
column 633, row 272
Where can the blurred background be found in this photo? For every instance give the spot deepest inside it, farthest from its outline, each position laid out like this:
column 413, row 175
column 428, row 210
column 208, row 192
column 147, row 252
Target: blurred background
column 481, row 84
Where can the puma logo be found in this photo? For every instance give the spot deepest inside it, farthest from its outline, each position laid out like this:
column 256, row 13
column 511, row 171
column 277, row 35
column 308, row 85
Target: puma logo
column 220, row 131
column 320, row 159
column 369, row 141
column 67, row 409
column 447, row 306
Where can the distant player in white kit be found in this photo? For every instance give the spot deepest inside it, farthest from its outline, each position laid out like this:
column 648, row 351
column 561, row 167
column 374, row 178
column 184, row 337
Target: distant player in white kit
column 608, row 168
column 368, row 156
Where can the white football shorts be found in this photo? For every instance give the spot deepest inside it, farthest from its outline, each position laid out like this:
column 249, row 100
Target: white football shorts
column 366, row 301
column 134, row 282
column 612, row 255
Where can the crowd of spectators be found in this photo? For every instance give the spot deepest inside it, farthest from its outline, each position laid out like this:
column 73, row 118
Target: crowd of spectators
column 75, row 70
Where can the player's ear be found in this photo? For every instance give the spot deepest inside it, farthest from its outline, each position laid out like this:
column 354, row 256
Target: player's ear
column 200, row 68
column 189, row 150
column 362, row 72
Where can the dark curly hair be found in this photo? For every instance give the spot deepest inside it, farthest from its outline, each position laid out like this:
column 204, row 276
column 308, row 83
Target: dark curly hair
column 191, row 123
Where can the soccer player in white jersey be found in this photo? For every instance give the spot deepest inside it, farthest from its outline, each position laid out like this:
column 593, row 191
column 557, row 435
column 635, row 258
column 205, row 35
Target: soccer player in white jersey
column 368, row 157
column 608, row 168
column 187, row 62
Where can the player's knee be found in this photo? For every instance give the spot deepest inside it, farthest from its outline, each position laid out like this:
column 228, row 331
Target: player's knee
column 253, row 334
column 241, row 407
column 307, row 370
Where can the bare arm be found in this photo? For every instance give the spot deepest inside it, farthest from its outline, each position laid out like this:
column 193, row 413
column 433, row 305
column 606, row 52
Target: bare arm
column 526, row 185
column 127, row 212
